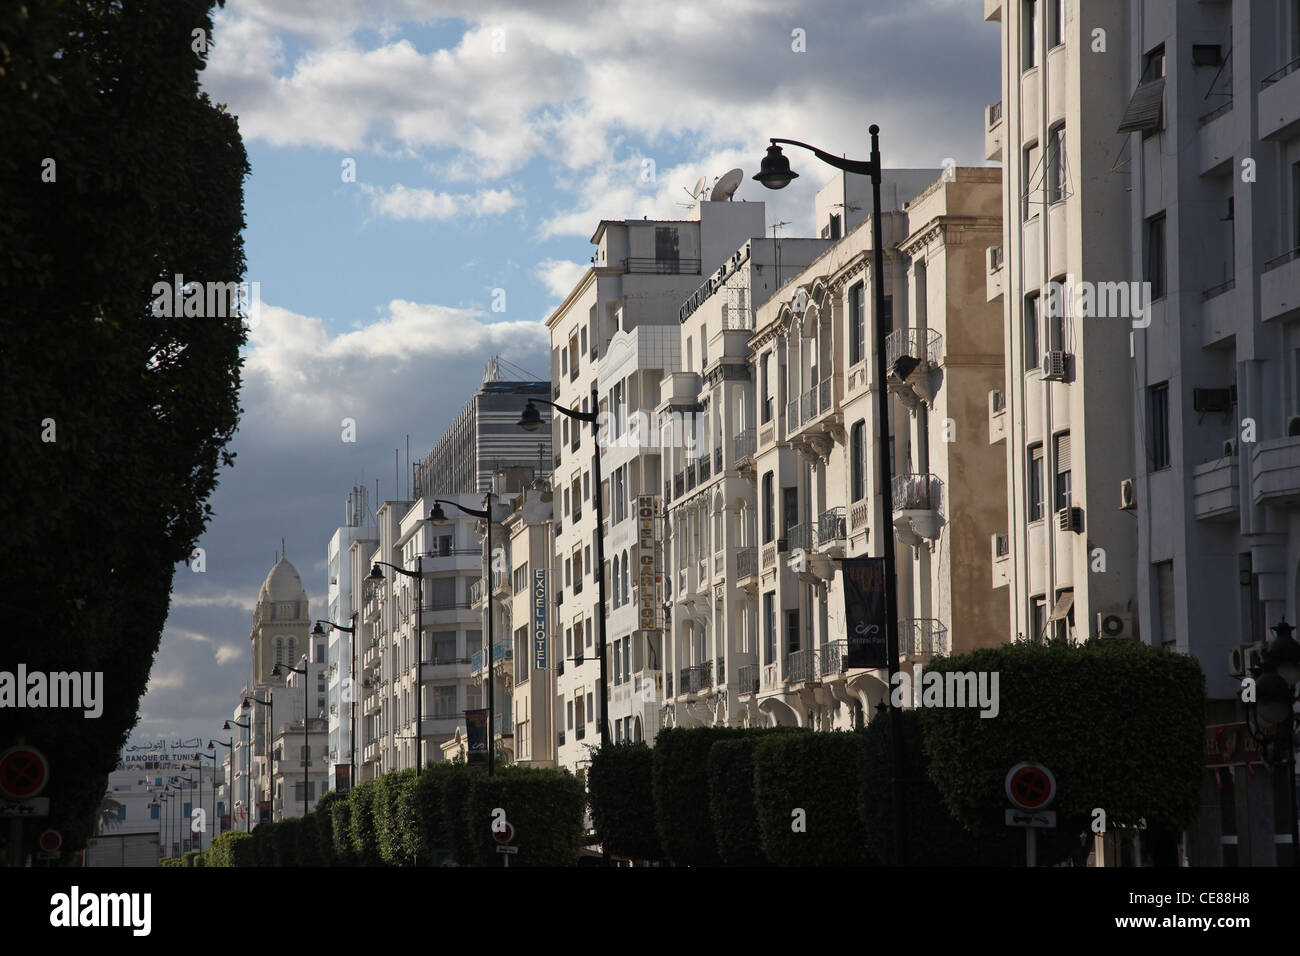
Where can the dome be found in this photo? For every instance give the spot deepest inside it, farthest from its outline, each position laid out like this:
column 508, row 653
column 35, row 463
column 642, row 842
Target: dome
column 282, row 585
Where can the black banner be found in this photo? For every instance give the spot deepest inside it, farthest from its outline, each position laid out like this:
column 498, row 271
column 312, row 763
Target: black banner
column 476, row 729
column 865, row 611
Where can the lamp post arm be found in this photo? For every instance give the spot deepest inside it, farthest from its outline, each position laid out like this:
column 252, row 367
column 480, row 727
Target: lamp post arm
column 862, row 168
column 588, row 417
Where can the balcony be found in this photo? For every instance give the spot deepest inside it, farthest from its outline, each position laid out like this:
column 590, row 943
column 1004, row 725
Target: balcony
column 744, row 446
column 1279, row 102
column 800, row 536
column 702, row 465
column 860, row 516
column 910, row 355
column 917, row 505
column 690, row 477
column 746, row 564
column 1277, row 471
column 801, row 666
column 717, row 460
column 679, row 484
column 995, row 279
column 831, row 530
column 1216, row 491
column 922, row 637
column 832, row 659
column 644, row 265
column 696, row 679
column 500, row 652
column 769, row 554
column 1000, row 548
column 476, row 593
column 748, row 678
column 993, row 132
column 1279, row 286
column 791, row 416
column 997, row 416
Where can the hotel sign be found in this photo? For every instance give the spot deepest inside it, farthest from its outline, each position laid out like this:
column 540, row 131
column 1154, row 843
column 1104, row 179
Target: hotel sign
column 539, row 618
column 649, row 579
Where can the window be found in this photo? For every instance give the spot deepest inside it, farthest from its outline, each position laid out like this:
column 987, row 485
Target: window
column 584, row 340
column 769, row 509
column 627, row 591
column 768, row 384
column 769, row 627
column 564, row 361
column 1033, row 358
column 858, row 461
column 444, row 701
column 568, row 714
column 579, row 717
column 857, row 323
column 618, row 662
column 1057, row 291
column 566, row 502
column 568, row 571
column 791, row 631
column 789, row 510
column 577, row 570
column 577, row 504
column 591, row 707
column 564, row 431
column 1158, row 425
column 573, row 357
column 1037, row 617
column 1035, row 482
column 835, row 226
column 586, row 486
column 1029, row 162
column 1164, row 582
column 568, row 646
column 1056, row 164
column 1061, row 485
column 589, row 632
column 1029, row 34
column 1155, row 258
column 153, row 811
column 586, row 560
column 1055, row 23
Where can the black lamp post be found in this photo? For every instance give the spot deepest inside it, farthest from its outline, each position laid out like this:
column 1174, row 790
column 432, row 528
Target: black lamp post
column 229, row 745
column 279, row 671
column 531, row 420
column 1272, row 717
column 377, row 577
column 248, row 771
column 319, row 631
column 775, row 173
column 269, row 703
column 438, row 517
column 157, row 804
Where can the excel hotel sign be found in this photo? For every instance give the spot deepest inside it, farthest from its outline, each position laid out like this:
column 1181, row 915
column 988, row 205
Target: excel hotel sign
column 539, row 619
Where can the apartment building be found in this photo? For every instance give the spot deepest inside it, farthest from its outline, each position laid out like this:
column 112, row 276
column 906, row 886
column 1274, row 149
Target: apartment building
column 1211, row 136
column 342, row 673
column 613, row 340
column 300, row 759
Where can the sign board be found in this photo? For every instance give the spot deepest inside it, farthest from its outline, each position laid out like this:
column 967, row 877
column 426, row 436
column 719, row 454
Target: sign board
column 50, row 840
column 1030, row 786
column 539, row 618
column 342, row 778
column 36, row 807
column 506, row 835
column 865, row 611
column 1229, row 745
column 476, row 730
column 1031, row 818
column 24, row 772
column 507, row 849
column 648, row 579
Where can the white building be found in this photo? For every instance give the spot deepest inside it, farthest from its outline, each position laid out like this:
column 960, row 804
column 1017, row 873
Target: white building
column 156, row 789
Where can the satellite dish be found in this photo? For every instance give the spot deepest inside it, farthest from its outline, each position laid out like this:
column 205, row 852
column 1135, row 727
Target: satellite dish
column 698, row 191
column 799, row 301
column 726, row 187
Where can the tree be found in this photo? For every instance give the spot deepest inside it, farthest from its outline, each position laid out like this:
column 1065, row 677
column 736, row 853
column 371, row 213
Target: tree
column 118, row 174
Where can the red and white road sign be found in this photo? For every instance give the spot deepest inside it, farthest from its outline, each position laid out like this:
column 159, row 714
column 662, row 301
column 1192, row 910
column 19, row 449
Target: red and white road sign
column 1030, row 786
column 50, row 840
column 24, row 772
column 506, row 835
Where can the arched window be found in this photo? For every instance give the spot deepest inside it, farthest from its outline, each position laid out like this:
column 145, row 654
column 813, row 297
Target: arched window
column 719, row 511
column 858, row 461
column 627, row 592
column 292, row 651
column 279, row 650
column 769, row 509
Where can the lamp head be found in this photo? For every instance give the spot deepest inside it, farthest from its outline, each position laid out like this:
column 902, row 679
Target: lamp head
column 531, row 419
column 318, row 631
column 376, row 574
column 1284, row 652
column 437, row 516
column 775, row 171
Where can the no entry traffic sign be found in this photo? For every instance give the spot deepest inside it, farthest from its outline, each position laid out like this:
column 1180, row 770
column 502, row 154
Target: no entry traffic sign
column 50, row 840
column 1030, row 786
column 24, row 772
column 505, row 835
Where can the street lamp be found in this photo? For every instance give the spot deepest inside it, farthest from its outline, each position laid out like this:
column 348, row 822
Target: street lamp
column 248, row 768
column 269, row 703
column 229, row 745
column 213, row 757
column 775, row 173
column 376, row 577
column 1271, row 718
column 319, row 631
column 278, row 671
column 531, row 420
column 438, row 517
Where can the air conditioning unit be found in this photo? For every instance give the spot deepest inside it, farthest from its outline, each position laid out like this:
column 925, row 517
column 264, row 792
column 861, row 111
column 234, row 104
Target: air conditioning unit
column 1211, row 399
column 997, row 400
column 1055, row 364
column 1230, row 448
column 782, row 545
column 1070, row 519
column 1115, row 625
column 1127, row 495
column 1244, row 658
column 1001, row 545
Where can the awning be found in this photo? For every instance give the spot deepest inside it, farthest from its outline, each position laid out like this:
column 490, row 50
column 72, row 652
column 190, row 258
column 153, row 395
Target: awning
column 1144, row 109
column 1063, row 605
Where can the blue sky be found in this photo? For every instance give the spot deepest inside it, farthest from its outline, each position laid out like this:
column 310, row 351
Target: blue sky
column 489, row 138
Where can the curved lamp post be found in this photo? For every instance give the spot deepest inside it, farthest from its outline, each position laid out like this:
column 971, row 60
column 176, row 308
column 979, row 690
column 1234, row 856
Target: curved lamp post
column 775, row 173
column 248, row 770
column 281, row 670
column 269, row 703
column 531, row 420
column 319, row 631
column 229, row 745
column 1272, row 718
column 377, row 577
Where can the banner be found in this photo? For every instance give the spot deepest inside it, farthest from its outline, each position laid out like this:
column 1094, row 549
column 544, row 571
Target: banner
column 476, row 730
column 647, row 573
column 865, row 611
column 539, row 618
column 342, row 778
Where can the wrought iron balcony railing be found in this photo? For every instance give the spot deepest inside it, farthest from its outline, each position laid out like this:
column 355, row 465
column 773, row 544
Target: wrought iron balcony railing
column 922, row 636
column 748, row 677
column 800, row 536
column 745, row 445
column 747, row 562
column 917, row 493
column 831, row 527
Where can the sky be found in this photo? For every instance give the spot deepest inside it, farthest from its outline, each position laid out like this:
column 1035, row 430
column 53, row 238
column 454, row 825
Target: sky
column 410, row 158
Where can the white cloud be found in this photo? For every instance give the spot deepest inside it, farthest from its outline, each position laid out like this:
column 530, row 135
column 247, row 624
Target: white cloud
column 399, row 202
column 559, row 275
column 229, row 652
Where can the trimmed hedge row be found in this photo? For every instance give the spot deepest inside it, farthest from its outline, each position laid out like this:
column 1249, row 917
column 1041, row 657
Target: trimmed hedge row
column 403, row 819
column 618, row 779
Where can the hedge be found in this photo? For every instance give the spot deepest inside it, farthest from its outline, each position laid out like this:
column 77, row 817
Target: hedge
column 362, row 831
column 394, row 823
column 189, row 857
column 324, row 814
column 344, row 852
column 731, row 801
column 171, row 861
column 620, row 777
column 455, row 796
column 264, row 844
column 934, row 837
column 432, row 831
column 307, row 852
column 544, row 805
column 1130, row 740
column 286, row 841
column 820, row 774
column 234, row 848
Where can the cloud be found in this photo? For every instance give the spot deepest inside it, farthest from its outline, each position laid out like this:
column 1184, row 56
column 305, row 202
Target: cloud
column 229, row 652
column 399, row 202
column 559, row 275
